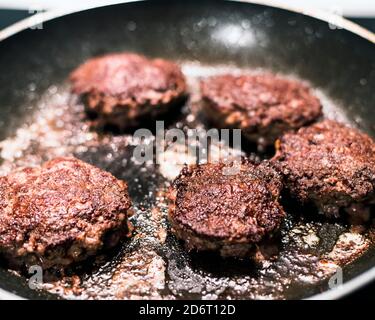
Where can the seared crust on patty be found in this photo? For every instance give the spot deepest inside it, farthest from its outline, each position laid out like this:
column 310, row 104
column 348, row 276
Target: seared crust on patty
column 229, row 213
column 263, row 106
column 328, row 164
column 122, row 89
column 60, row 213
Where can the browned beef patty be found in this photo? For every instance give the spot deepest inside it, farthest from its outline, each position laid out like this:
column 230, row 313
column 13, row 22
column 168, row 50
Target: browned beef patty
column 123, row 89
column 60, row 213
column 328, row 164
column 229, row 213
column 263, row 106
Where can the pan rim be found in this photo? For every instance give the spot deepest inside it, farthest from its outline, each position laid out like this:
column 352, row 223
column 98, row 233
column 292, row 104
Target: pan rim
column 341, row 291
column 328, row 17
column 5, row 295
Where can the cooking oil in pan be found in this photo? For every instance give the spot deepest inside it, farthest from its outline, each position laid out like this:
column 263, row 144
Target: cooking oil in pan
column 153, row 263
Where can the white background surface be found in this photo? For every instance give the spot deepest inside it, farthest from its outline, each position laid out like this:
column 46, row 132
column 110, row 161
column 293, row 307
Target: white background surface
column 352, row 8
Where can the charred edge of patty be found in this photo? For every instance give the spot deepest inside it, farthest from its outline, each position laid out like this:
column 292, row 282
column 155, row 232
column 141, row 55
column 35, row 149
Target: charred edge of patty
column 332, row 204
column 60, row 256
column 262, row 135
column 226, row 249
column 124, row 115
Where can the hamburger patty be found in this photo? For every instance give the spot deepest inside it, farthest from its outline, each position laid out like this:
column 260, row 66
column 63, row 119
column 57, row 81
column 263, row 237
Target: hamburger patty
column 263, row 106
column 229, row 213
column 60, row 213
column 328, row 164
column 123, row 89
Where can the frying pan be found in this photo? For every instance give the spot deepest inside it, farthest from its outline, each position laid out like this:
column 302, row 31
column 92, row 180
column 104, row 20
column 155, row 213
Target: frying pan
column 336, row 56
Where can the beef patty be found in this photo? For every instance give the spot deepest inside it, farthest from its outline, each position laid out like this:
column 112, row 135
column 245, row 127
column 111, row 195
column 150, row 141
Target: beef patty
column 60, row 213
column 328, row 164
column 123, row 89
column 263, row 106
column 229, row 213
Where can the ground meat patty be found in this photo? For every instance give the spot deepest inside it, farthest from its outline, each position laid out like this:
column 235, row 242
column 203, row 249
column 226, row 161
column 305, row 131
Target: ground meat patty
column 60, row 213
column 229, row 213
column 328, row 164
column 122, row 89
column 263, row 106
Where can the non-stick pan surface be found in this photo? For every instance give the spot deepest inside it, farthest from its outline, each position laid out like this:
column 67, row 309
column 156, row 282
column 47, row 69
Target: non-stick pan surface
column 40, row 119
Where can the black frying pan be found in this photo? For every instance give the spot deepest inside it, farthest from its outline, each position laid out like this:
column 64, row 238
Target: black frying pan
column 202, row 35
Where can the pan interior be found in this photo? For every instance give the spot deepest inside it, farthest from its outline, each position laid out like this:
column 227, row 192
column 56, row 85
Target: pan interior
column 41, row 120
